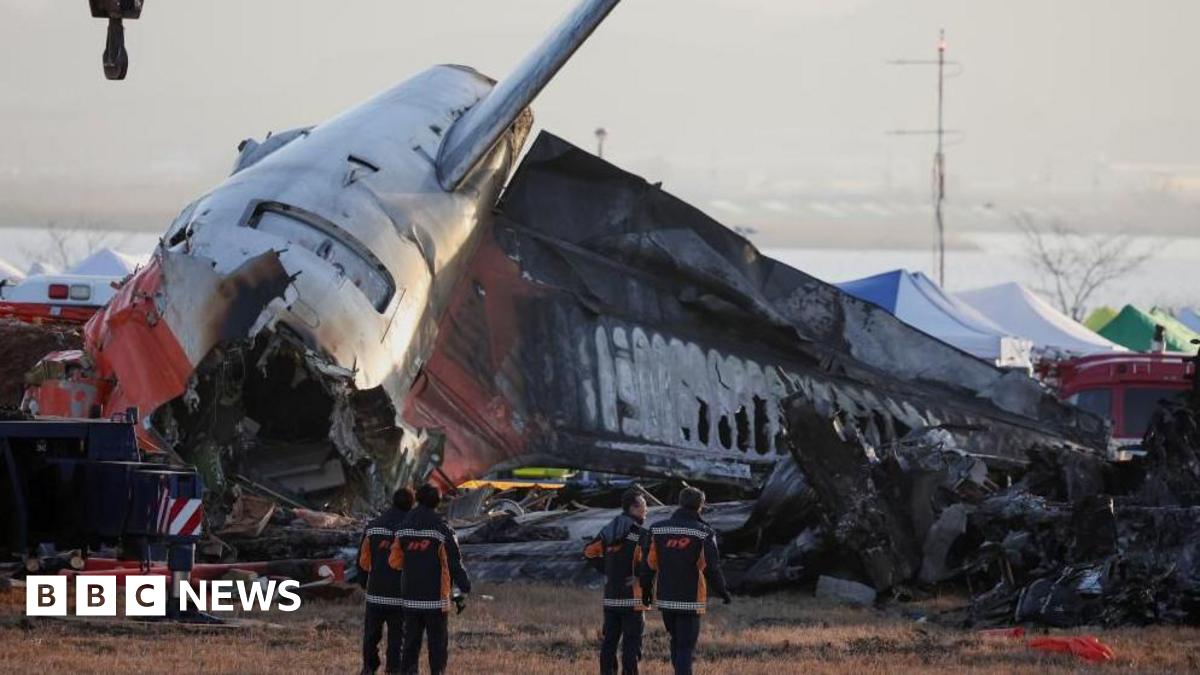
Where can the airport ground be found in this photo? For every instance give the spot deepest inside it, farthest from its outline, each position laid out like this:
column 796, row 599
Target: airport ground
column 544, row 630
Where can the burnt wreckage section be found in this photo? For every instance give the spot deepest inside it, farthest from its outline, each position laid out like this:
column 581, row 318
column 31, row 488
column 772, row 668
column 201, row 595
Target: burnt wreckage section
column 600, row 323
column 605, row 324
column 1065, row 538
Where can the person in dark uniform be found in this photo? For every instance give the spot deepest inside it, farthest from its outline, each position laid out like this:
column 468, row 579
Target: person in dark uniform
column 616, row 552
column 426, row 550
column 383, row 585
column 680, row 564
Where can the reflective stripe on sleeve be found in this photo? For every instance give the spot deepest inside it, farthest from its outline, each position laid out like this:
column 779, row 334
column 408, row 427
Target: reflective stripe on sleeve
column 682, row 606
column 384, row 600
column 425, row 604
column 622, row 602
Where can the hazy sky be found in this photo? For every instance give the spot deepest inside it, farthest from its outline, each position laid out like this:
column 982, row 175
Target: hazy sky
column 727, row 101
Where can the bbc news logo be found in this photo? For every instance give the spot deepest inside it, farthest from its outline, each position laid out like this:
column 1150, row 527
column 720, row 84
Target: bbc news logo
column 146, row 595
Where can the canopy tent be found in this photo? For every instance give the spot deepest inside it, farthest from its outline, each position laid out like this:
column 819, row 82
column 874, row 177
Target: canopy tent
column 1134, row 329
column 106, row 262
column 9, row 272
column 1099, row 318
column 1174, row 325
column 916, row 300
column 1190, row 318
column 1019, row 311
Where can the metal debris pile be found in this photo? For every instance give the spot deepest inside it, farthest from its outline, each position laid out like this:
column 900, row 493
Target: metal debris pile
column 548, row 545
column 24, row 344
column 259, row 528
column 1064, row 538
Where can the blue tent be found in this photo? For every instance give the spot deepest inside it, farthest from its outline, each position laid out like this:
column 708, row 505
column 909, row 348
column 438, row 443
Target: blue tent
column 916, row 300
column 1189, row 317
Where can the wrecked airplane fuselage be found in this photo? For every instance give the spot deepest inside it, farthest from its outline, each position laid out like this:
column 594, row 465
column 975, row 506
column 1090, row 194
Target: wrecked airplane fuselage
column 360, row 245
column 599, row 323
column 347, row 312
column 366, row 222
column 605, row 324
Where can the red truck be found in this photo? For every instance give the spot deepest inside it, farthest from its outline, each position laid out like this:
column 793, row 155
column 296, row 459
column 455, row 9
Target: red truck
column 1125, row 388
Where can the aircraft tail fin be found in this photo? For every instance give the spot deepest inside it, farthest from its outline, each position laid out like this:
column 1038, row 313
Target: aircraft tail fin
column 474, row 134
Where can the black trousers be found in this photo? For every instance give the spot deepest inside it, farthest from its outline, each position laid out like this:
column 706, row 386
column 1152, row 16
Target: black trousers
column 684, row 629
column 623, row 626
column 375, row 618
column 419, row 624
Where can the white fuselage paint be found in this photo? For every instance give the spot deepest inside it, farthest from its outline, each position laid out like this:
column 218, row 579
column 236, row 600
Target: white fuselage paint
column 370, row 173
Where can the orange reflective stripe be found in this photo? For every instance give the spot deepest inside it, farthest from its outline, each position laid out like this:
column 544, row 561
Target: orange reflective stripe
column 595, row 549
column 396, row 557
column 364, row 555
column 701, row 583
column 652, row 560
column 637, row 583
column 637, row 596
column 445, row 573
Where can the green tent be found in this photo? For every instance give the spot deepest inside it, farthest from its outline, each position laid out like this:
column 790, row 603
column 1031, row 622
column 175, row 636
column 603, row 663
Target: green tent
column 1134, row 329
column 1099, row 318
column 1174, row 326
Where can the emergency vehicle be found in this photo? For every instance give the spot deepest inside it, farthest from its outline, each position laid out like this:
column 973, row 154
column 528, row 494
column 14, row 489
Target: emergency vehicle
column 56, row 298
column 1125, row 388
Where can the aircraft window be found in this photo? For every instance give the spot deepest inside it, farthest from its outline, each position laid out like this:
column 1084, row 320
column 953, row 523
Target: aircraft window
column 742, row 419
column 762, row 443
column 330, row 243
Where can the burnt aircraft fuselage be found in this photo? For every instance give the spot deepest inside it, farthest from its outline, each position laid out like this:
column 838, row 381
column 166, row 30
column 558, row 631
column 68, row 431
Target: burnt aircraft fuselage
column 279, row 326
column 361, row 246
column 605, row 324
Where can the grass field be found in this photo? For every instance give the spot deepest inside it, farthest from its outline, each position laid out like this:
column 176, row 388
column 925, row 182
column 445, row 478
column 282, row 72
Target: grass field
column 543, row 630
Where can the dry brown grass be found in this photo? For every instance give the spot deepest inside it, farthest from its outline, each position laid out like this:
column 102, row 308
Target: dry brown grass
column 544, row 630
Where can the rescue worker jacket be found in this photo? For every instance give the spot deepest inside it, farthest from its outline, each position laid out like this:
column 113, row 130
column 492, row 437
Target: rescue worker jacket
column 426, row 550
column 681, row 562
column 617, row 553
column 383, row 582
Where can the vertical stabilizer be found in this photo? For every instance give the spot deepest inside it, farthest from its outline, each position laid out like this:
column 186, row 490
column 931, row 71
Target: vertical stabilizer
column 474, row 134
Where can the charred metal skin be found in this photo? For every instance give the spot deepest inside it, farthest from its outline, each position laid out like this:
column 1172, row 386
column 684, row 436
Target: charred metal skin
column 371, row 217
column 605, row 324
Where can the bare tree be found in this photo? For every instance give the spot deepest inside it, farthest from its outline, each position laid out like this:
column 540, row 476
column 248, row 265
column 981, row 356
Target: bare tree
column 66, row 245
column 1073, row 265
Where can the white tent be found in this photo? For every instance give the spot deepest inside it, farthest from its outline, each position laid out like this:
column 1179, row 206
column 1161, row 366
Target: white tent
column 1020, row 311
column 106, row 262
column 916, row 300
column 10, row 272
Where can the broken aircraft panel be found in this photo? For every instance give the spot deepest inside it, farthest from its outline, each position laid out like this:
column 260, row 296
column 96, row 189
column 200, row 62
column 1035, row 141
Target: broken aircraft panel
column 605, row 324
column 370, row 218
